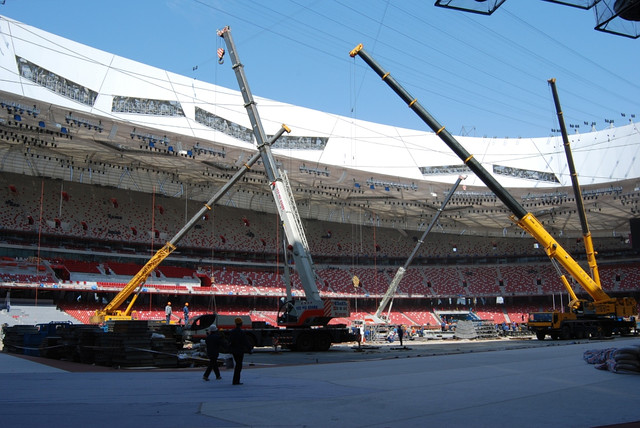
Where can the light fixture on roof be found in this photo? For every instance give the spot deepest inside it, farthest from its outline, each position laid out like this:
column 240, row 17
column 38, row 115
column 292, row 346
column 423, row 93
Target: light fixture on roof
column 582, row 4
column 13, row 107
column 314, row 171
column 149, row 138
column 390, row 184
column 78, row 121
column 484, row 7
column 621, row 17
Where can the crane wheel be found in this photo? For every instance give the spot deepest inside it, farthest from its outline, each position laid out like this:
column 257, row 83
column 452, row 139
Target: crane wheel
column 322, row 342
column 304, row 342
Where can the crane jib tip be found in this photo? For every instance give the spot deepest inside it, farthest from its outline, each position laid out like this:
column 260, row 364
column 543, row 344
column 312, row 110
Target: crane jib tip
column 355, row 50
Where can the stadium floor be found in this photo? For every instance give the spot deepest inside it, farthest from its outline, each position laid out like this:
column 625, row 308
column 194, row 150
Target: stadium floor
column 445, row 385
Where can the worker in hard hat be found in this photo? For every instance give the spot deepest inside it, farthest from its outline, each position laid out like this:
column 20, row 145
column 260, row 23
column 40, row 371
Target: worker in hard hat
column 185, row 311
column 167, row 312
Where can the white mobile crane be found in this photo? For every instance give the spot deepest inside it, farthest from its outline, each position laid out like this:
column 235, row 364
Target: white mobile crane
column 305, row 321
column 393, row 286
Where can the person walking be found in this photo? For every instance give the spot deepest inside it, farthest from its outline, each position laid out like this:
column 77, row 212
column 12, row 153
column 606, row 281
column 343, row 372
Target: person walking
column 214, row 342
column 185, row 311
column 238, row 345
column 167, row 312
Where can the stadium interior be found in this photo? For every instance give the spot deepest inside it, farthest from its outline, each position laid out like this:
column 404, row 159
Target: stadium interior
column 92, row 240
column 93, row 184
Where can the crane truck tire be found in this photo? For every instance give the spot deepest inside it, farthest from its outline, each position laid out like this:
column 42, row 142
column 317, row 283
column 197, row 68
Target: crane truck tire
column 304, row 342
column 322, row 342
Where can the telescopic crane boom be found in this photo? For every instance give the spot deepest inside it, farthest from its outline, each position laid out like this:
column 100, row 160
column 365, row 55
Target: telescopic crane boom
column 622, row 307
column 395, row 282
column 586, row 233
column 313, row 311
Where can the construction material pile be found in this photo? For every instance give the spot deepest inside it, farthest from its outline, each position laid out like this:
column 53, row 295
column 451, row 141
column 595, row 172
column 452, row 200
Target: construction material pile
column 116, row 344
column 617, row 360
column 467, row 329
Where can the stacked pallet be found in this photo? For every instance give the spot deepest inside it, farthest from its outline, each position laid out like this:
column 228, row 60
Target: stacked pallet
column 35, row 340
column 80, row 343
column 466, row 329
column 164, row 352
column 125, row 344
column 119, row 344
column 15, row 336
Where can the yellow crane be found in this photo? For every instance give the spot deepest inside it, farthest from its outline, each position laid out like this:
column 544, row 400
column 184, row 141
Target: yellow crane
column 600, row 317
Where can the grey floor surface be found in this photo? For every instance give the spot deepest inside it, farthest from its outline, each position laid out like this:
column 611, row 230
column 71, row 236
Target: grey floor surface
column 533, row 387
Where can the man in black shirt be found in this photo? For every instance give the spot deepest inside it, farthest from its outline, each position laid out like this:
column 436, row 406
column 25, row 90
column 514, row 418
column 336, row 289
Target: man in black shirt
column 238, row 345
column 214, row 341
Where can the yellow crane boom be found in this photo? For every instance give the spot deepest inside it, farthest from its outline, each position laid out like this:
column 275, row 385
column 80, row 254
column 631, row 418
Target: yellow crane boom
column 624, row 306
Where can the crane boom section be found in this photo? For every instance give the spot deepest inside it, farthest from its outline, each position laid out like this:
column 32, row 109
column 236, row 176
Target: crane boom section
column 586, row 234
column 395, row 282
column 139, row 278
column 283, row 198
column 522, row 218
column 111, row 309
column 555, row 251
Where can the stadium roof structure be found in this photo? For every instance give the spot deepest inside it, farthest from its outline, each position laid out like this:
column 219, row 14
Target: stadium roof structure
column 72, row 112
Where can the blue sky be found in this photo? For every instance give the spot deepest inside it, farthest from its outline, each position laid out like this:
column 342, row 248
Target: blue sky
column 477, row 75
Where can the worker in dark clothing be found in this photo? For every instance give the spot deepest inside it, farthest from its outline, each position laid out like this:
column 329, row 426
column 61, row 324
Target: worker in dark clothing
column 185, row 312
column 400, row 334
column 167, row 312
column 214, row 342
column 238, row 345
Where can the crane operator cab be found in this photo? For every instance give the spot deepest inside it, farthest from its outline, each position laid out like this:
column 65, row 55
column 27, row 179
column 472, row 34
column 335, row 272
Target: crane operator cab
column 287, row 313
